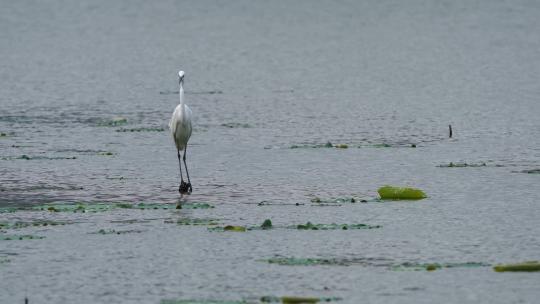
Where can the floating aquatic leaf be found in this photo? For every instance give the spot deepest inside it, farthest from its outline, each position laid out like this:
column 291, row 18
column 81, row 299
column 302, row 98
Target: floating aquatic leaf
column 528, row 266
column 401, row 193
column 333, row 226
column 267, row 224
column 436, row 266
column 2, row 134
column 4, row 237
column 142, row 129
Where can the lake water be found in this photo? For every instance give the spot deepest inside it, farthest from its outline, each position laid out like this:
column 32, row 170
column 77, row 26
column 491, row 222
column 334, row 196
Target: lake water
column 270, row 83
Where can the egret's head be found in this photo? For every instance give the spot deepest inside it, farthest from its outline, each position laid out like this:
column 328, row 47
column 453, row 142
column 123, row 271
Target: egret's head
column 181, row 76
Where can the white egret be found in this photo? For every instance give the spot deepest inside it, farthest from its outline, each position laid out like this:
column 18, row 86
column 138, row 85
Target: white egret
column 180, row 126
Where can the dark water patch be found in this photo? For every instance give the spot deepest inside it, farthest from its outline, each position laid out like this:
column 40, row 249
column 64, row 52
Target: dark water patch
column 529, row 266
column 26, row 157
column 7, row 237
column 293, row 261
column 463, row 165
column 210, row 92
column 40, row 187
column 436, row 266
column 236, row 125
column 271, row 203
column 350, row 145
column 106, row 153
column 32, row 223
column 141, row 129
column 341, row 200
column 333, row 226
column 113, row 231
column 529, row 171
column 202, row 302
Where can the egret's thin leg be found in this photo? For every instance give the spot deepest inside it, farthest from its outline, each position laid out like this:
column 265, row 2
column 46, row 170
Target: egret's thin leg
column 180, row 165
column 185, row 165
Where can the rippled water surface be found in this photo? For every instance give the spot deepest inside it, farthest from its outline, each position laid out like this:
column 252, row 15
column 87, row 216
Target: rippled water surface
column 87, row 89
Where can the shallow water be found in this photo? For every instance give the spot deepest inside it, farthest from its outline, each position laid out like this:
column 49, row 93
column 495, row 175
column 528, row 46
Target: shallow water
column 262, row 77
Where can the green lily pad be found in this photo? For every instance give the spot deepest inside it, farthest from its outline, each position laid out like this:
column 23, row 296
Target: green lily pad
column 229, row 228
column 531, row 171
column 401, row 193
column 529, row 266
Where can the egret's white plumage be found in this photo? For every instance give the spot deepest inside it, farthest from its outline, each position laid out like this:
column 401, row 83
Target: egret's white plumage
column 180, row 126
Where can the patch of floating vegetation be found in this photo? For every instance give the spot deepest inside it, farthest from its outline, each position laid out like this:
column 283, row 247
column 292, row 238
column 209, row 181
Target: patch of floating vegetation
column 4, row 260
column 333, row 226
column 101, row 207
column 194, row 221
column 195, row 205
column 436, row 266
column 267, row 224
column 235, row 125
column 4, row 237
column 26, row 157
column 2, row 134
column 141, row 129
column 401, row 193
column 34, row 223
column 112, row 231
column 528, row 266
column 530, row 171
column 113, row 122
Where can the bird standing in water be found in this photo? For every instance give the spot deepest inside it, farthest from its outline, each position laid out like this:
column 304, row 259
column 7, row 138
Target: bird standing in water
column 180, row 126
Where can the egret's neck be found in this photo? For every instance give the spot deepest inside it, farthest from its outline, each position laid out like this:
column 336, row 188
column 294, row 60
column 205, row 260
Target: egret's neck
column 181, row 93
